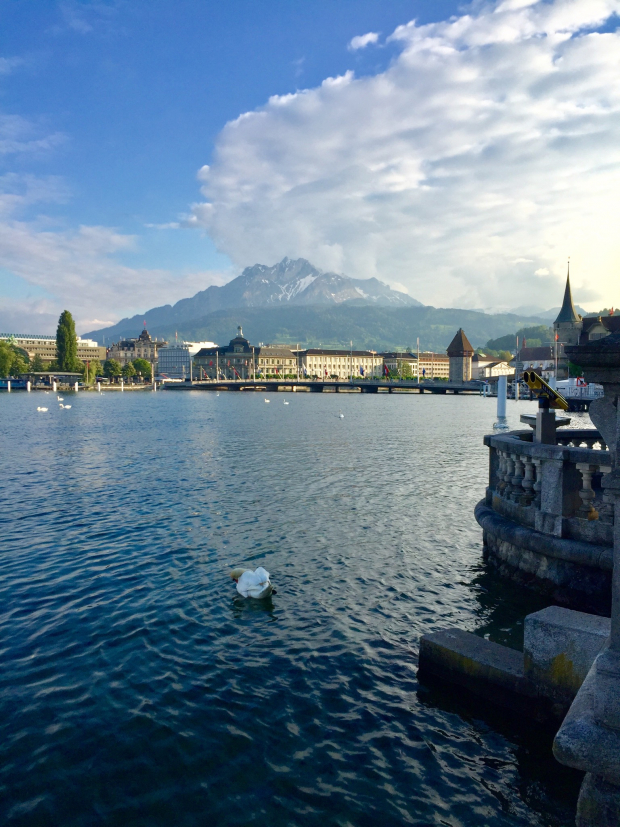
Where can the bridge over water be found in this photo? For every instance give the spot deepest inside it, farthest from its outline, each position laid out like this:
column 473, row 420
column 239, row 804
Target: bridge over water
column 330, row 386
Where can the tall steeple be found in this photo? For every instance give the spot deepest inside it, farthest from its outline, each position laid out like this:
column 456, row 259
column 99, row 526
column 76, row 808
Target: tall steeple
column 567, row 312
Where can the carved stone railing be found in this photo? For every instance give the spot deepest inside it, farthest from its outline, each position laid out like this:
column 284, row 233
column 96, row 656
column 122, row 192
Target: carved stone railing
column 553, row 489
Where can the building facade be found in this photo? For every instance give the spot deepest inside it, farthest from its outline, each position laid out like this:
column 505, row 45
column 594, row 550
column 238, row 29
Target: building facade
column 460, row 353
column 45, row 347
column 144, row 347
column 175, row 361
column 326, row 363
column 405, row 364
column 236, row 360
column 241, row 360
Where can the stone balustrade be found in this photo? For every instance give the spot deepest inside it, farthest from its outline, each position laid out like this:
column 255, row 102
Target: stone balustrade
column 546, row 517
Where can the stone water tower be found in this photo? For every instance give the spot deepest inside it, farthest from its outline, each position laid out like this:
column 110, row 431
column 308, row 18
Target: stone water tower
column 460, row 352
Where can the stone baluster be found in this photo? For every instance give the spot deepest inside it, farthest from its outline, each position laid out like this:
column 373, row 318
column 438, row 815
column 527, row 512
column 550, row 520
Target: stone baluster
column 591, row 442
column 517, row 478
column 508, row 476
column 537, row 463
column 499, row 476
column 528, row 482
column 606, row 511
column 587, row 510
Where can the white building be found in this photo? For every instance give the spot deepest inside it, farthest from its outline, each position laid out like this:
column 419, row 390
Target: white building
column 325, row 363
column 45, row 347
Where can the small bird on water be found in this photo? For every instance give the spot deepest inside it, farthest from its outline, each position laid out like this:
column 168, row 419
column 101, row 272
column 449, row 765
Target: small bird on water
column 253, row 583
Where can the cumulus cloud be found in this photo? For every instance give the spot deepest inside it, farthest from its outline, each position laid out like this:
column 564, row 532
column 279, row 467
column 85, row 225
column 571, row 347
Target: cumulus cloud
column 484, row 155
column 363, row 40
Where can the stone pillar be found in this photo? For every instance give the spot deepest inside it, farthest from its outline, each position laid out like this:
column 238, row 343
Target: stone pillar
column 589, row 738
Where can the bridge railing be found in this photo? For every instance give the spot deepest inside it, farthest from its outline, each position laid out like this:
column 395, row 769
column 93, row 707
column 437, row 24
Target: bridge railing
column 555, row 489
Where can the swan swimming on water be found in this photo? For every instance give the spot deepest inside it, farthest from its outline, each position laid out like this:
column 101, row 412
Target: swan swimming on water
column 285, row 402
column 42, row 409
column 267, row 401
column 253, row 583
column 60, row 398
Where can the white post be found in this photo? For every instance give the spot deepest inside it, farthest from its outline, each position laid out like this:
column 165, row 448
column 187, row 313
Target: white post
column 8, row 385
column 99, row 387
column 75, row 387
column 54, row 386
column 501, row 424
column 28, row 386
column 122, row 388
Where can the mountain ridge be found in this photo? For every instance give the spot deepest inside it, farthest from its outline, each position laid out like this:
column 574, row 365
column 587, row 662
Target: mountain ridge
column 290, row 282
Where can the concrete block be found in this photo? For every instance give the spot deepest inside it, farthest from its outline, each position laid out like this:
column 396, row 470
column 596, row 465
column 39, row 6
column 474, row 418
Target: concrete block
column 484, row 668
column 560, row 646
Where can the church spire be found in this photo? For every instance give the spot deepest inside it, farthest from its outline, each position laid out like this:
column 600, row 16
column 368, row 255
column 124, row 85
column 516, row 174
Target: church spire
column 567, row 312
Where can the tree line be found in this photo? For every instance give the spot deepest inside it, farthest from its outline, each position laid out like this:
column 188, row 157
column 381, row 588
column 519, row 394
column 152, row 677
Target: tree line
column 15, row 360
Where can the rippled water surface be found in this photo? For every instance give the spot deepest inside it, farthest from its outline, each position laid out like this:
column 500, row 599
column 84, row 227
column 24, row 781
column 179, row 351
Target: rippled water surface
column 136, row 688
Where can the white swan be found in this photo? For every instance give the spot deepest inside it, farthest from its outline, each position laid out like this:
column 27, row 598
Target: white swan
column 60, row 398
column 42, row 409
column 252, row 583
column 67, row 407
column 340, row 415
column 61, row 405
column 285, row 402
column 267, row 401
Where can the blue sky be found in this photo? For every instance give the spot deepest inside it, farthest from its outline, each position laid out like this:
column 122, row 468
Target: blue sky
column 109, row 110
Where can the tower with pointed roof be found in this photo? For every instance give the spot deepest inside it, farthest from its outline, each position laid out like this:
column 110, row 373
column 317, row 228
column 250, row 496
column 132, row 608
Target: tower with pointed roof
column 460, row 352
column 568, row 324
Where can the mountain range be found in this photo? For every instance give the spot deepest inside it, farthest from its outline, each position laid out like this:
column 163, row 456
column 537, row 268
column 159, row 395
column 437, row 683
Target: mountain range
column 294, row 302
column 289, row 283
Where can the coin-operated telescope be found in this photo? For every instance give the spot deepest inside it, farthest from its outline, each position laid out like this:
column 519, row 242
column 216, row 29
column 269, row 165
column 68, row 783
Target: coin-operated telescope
column 547, row 398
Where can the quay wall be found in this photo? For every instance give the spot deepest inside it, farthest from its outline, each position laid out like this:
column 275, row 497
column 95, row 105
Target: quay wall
column 573, row 573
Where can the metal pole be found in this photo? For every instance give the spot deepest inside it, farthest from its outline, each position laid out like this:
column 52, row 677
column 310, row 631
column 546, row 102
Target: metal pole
column 351, row 364
column 217, row 365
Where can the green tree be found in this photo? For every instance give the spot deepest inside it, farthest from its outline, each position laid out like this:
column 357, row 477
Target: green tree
column 37, row 365
column 143, row 368
column 7, row 355
column 92, row 369
column 111, row 368
column 66, row 343
column 19, row 364
column 505, row 355
column 128, row 370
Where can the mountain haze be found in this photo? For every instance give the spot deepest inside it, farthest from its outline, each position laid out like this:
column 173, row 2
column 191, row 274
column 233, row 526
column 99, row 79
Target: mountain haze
column 289, row 283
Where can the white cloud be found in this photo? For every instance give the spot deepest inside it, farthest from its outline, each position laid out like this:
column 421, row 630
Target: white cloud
column 76, row 268
column 487, row 151
column 363, row 40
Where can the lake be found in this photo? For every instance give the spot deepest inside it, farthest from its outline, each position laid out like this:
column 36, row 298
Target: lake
column 137, row 687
